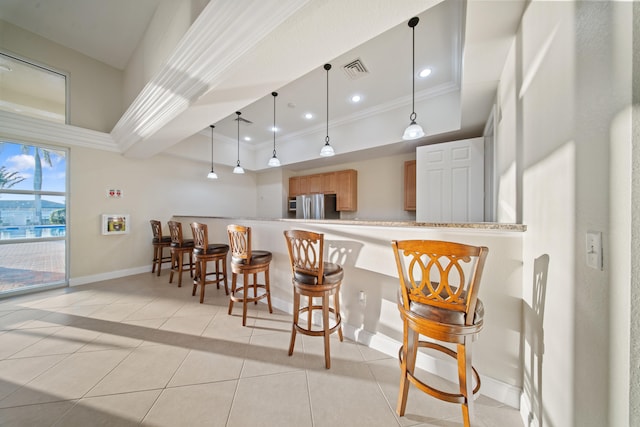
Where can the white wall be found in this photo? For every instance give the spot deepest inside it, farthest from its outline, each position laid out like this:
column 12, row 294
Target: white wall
column 95, row 88
column 561, row 94
column 155, row 188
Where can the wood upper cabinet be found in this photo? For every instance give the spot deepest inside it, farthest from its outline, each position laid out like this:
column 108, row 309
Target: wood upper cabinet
column 410, row 185
column 329, row 183
column 344, row 184
column 347, row 190
column 315, row 184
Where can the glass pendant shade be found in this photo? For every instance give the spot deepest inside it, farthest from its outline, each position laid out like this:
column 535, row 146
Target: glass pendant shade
column 414, row 130
column 238, row 169
column 327, row 149
column 273, row 161
column 212, row 174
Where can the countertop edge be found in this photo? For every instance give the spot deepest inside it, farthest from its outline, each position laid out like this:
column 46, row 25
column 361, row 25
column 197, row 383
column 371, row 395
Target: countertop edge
column 494, row 226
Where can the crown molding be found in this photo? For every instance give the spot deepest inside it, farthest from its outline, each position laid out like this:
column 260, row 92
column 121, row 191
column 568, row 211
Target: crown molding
column 31, row 129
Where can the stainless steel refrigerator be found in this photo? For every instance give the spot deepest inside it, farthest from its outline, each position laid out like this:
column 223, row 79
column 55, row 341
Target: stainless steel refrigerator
column 316, row 206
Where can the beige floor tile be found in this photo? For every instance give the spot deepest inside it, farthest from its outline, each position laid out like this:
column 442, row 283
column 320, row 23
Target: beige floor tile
column 67, row 340
column 273, row 400
column 217, row 360
column 193, row 406
column 69, row 379
column 20, row 318
column 111, row 342
column 34, row 415
column 193, row 308
column 145, row 368
column 158, row 308
column 350, row 382
column 63, row 316
column 341, row 352
column 19, row 339
column 192, row 325
column 15, row 373
column 116, row 312
column 225, row 326
column 121, row 410
column 268, row 323
column 269, row 354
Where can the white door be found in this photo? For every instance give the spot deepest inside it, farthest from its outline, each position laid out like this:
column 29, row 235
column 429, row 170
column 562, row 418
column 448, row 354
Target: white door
column 450, row 182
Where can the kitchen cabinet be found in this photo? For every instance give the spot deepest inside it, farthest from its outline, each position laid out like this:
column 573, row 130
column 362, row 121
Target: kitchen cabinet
column 344, row 184
column 410, row 185
column 347, row 190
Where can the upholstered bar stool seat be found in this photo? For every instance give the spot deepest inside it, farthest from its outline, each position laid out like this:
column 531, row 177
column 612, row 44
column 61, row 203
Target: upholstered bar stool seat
column 179, row 248
column 314, row 278
column 159, row 243
column 247, row 262
column 205, row 252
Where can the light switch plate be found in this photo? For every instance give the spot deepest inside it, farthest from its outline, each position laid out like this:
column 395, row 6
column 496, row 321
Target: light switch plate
column 594, row 249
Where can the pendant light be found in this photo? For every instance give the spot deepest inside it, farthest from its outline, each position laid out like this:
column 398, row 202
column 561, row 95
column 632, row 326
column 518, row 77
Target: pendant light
column 327, row 149
column 212, row 174
column 238, row 169
column 273, row 161
column 414, row 130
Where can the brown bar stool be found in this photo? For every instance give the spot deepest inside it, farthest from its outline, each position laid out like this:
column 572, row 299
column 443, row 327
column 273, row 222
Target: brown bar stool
column 313, row 278
column 438, row 298
column 159, row 243
column 246, row 261
column 179, row 248
column 204, row 252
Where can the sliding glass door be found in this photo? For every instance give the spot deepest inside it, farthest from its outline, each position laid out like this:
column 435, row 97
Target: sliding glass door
column 33, row 211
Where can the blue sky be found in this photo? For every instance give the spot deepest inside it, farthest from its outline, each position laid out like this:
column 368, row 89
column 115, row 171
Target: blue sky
column 53, row 177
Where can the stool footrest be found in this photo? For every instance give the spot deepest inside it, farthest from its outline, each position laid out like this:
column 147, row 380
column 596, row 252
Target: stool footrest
column 433, row 391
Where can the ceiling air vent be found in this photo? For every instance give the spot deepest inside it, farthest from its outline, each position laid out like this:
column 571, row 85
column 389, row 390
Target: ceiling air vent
column 355, row 69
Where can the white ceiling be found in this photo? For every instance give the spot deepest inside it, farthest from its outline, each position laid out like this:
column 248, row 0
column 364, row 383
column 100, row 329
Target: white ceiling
column 450, row 33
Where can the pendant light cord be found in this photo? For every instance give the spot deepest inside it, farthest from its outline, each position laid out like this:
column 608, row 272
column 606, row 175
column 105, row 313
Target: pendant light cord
column 327, row 67
column 212, row 126
column 412, row 23
column 274, row 122
column 238, row 120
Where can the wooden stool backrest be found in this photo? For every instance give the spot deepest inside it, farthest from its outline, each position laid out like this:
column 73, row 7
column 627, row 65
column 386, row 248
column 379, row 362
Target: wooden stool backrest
column 306, row 251
column 175, row 229
column 200, row 235
column 432, row 272
column 239, row 241
column 156, row 228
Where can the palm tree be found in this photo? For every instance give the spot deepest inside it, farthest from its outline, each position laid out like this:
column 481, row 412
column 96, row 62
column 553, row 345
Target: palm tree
column 9, row 179
column 37, row 177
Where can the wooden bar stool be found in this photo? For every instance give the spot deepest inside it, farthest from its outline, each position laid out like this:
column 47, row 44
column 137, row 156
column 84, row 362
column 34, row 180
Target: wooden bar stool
column 204, row 252
column 247, row 262
column 313, row 278
column 438, row 298
column 159, row 243
column 179, row 248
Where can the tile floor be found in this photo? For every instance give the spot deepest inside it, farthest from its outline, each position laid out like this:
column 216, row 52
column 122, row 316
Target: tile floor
column 139, row 351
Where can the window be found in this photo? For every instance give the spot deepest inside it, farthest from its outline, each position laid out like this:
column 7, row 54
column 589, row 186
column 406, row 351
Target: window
column 33, row 216
column 32, row 90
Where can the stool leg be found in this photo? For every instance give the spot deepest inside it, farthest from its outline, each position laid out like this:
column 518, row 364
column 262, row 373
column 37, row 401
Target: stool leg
column 234, row 279
column 325, row 327
column 407, row 364
column 336, row 301
column 466, row 380
column 267, row 288
column 155, row 259
column 310, row 301
column 245, row 285
column 191, row 264
column 224, row 274
column 196, row 276
column 203, row 279
column 173, row 261
column 296, row 314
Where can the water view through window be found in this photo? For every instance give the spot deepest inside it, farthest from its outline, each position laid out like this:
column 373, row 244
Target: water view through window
column 33, row 224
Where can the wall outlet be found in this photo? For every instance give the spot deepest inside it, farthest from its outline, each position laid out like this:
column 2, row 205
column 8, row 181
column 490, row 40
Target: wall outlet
column 594, row 249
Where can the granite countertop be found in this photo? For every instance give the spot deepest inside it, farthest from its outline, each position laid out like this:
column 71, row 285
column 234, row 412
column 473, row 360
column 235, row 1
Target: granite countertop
column 382, row 223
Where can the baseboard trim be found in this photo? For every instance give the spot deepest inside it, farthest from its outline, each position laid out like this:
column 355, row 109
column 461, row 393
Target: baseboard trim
column 85, row 280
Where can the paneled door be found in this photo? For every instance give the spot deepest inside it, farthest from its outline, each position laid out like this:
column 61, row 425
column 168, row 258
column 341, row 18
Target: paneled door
column 450, row 182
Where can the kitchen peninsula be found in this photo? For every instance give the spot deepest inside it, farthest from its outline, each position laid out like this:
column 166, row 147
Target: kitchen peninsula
column 363, row 249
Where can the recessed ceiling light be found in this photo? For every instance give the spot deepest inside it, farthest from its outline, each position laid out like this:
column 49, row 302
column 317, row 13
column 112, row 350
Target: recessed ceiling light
column 356, row 98
column 308, row 116
column 247, row 138
column 424, row 73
